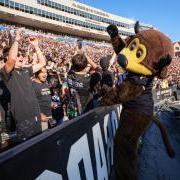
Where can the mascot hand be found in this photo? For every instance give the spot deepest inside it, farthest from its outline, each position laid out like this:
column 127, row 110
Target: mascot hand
column 117, row 42
column 127, row 91
column 112, row 31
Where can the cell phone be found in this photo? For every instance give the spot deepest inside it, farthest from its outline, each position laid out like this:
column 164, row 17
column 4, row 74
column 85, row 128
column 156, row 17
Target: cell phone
column 79, row 43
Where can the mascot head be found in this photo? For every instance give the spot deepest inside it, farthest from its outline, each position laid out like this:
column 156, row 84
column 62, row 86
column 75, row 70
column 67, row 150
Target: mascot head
column 148, row 52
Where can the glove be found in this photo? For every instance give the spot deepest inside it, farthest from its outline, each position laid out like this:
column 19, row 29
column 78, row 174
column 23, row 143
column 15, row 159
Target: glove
column 112, row 30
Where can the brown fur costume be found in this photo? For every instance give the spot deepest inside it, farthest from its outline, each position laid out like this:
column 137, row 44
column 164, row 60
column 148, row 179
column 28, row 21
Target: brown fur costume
column 145, row 55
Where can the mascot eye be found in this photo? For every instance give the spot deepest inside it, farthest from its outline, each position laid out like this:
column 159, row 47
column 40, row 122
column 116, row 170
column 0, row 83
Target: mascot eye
column 133, row 46
column 139, row 53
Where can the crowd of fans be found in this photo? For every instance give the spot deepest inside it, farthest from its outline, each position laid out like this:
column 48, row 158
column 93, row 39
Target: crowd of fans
column 47, row 79
column 174, row 72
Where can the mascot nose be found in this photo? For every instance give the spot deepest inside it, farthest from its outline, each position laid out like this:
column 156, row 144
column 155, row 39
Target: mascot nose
column 122, row 60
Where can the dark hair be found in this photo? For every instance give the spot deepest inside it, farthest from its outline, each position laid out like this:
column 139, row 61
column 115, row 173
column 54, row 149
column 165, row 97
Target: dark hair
column 104, row 62
column 38, row 72
column 79, row 62
column 108, row 79
column 5, row 54
column 95, row 78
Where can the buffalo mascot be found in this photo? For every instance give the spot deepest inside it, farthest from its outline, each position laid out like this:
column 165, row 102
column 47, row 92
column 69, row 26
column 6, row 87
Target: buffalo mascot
column 144, row 56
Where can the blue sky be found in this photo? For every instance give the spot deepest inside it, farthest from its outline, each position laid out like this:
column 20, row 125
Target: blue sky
column 163, row 14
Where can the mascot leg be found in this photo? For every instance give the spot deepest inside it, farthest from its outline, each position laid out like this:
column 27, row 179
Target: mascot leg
column 132, row 126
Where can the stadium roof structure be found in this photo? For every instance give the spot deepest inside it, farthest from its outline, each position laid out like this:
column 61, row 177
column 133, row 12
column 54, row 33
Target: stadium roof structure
column 65, row 16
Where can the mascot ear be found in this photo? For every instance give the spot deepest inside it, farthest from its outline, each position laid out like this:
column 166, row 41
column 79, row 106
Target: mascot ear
column 162, row 65
column 117, row 42
column 136, row 27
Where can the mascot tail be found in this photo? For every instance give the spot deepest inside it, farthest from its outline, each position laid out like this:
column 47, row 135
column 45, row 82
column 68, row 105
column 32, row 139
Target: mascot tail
column 164, row 135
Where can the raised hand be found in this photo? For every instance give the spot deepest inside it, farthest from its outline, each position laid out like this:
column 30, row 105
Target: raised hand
column 19, row 34
column 116, row 40
column 112, row 30
column 34, row 41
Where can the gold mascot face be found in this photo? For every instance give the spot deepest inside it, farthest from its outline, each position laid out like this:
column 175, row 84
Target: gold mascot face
column 146, row 53
column 135, row 53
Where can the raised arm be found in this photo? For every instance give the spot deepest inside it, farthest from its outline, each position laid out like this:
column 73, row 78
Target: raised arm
column 113, row 59
column 117, row 42
column 91, row 62
column 13, row 52
column 59, row 77
column 42, row 60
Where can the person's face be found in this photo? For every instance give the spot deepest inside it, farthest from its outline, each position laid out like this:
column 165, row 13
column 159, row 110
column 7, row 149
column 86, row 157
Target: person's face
column 19, row 62
column 42, row 76
column 98, row 87
column 105, row 88
column 49, row 63
column 55, row 65
column 2, row 64
column 25, row 61
column 55, row 92
column 1, row 51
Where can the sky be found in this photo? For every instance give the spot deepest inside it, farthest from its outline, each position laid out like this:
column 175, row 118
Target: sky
column 162, row 14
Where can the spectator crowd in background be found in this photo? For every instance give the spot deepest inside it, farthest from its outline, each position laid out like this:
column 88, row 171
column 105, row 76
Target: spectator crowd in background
column 77, row 73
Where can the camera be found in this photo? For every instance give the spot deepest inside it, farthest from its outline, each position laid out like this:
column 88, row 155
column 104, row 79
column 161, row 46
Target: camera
column 80, row 43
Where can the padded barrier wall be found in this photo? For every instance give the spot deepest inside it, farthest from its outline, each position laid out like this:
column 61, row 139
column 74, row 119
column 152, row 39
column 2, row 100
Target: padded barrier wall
column 79, row 149
column 82, row 149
